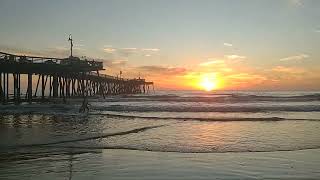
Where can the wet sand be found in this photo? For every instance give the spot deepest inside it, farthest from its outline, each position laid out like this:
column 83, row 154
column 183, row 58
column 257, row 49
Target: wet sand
column 131, row 164
column 149, row 138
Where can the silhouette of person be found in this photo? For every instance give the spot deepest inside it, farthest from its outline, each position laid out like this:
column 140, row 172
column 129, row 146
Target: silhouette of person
column 85, row 106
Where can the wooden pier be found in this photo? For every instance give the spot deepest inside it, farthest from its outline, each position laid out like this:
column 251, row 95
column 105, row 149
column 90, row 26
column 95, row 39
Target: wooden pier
column 29, row 78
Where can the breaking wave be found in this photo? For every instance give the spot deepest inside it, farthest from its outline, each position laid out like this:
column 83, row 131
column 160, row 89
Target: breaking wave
column 208, row 119
column 211, row 108
column 222, row 98
column 187, row 150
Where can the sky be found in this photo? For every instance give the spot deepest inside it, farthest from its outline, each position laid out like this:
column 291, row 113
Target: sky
column 178, row 44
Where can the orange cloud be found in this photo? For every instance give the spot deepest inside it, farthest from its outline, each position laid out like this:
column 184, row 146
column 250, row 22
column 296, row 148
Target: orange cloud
column 292, row 70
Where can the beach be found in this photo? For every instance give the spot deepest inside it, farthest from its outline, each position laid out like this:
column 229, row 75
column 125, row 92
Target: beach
column 167, row 135
column 128, row 164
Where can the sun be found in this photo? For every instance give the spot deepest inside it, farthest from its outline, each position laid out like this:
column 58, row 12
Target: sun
column 208, row 83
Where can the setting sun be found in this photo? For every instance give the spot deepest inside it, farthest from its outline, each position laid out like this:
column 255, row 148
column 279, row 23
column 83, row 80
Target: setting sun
column 208, row 85
column 208, row 82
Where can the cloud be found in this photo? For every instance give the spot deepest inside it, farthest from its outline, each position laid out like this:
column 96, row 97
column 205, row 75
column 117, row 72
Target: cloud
column 58, row 51
column 213, row 62
column 227, row 44
column 79, row 45
column 217, row 65
column 119, row 62
column 129, row 49
column 240, row 76
column 245, row 78
column 113, row 65
column 317, row 30
column 21, row 51
column 297, row 57
column 126, row 52
column 150, row 49
column 109, row 50
column 234, row 56
column 292, row 70
column 230, row 75
column 162, row 70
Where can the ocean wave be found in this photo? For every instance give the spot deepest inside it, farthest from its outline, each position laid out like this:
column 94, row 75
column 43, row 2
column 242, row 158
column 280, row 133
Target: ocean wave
column 73, row 110
column 195, row 108
column 218, row 98
column 58, row 150
column 12, row 156
column 137, row 130
column 43, row 109
column 207, row 119
column 184, row 150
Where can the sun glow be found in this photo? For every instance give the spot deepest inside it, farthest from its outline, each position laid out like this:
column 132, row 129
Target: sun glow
column 208, row 85
column 208, row 82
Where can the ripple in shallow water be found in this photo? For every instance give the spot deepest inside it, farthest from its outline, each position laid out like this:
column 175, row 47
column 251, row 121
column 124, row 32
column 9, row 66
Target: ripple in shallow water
column 148, row 134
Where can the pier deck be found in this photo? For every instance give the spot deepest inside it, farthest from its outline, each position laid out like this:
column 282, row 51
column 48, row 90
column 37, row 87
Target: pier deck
column 28, row 78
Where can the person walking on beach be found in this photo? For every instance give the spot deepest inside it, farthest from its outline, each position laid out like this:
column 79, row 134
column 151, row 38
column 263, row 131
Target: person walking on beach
column 85, row 106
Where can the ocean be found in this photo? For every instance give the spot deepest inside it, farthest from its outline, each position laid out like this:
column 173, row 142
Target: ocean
column 165, row 135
